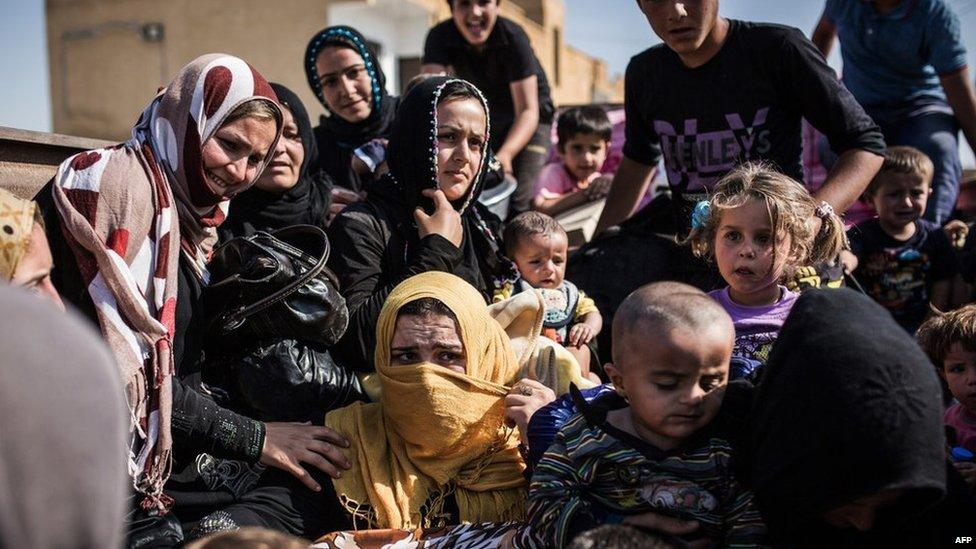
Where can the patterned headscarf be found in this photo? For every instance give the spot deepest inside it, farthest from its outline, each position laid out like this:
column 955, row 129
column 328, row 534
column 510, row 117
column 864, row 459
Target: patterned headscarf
column 382, row 107
column 16, row 223
column 128, row 211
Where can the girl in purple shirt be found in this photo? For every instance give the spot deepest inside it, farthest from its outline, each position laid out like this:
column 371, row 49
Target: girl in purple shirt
column 760, row 226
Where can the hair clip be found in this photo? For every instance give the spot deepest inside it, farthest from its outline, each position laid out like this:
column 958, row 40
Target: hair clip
column 824, row 210
column 699, row 215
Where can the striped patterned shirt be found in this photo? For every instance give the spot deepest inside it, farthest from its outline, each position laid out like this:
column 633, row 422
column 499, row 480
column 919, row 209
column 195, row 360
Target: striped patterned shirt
column 595, row 474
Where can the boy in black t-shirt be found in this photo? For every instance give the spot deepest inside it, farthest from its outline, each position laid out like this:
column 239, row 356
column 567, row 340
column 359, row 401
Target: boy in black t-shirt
column 494, row 54
column 903, row 262
column 720, row 92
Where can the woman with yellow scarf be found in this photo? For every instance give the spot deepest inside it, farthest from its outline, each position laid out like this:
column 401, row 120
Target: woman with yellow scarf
column 437, row 438
column 439, row 443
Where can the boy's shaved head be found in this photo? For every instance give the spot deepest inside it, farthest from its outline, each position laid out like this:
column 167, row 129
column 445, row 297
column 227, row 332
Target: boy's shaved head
column 660, row 307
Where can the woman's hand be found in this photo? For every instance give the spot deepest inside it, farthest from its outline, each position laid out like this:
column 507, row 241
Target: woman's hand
column 287, row 445
column 446, row 221
column 524, row 399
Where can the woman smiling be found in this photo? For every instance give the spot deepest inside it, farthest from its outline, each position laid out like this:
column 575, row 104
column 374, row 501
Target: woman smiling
column 346, row 78
column 132, row 227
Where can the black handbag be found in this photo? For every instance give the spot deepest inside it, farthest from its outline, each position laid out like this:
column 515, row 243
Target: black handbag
column 271, row 286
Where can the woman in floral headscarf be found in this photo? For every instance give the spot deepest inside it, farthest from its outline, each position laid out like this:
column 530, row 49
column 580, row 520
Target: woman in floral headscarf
column 133, row 226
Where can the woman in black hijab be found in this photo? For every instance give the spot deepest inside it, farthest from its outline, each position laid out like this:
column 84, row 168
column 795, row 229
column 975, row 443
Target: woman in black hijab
column 347, row 79
column 292, row 190
column 424, row 214
column 848, row 441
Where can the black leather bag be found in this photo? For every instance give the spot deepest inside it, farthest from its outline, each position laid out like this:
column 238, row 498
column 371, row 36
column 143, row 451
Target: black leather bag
column 274, row 286
column 274, row 311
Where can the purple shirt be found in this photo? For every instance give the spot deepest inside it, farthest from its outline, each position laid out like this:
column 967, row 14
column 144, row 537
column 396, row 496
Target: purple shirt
column 756, row 329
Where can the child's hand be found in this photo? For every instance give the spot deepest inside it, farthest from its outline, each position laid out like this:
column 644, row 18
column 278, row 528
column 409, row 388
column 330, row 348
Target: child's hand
column 968, row 472
column 848, row 260
column 598, row 188
column 580, row 334
column 956, row 231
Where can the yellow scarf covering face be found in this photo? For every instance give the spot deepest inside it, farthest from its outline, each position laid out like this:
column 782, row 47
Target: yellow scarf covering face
column 16, row 224
column 434, row 431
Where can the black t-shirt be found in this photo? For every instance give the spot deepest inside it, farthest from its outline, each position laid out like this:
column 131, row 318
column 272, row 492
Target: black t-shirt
column 507, row 57
column 746, row 103
column 899, row 275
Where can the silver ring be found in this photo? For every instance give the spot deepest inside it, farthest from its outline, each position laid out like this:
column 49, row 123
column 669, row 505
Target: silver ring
column 524, row 390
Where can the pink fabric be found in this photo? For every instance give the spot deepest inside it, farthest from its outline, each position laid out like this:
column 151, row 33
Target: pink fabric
column 554, row 181
column 964, row 422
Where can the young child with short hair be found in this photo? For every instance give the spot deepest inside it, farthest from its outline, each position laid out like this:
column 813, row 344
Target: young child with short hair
column 903, row 262
column 756, row 228
column 650, row 446
column 950, row 342
column 538, row 246
column 583, row 142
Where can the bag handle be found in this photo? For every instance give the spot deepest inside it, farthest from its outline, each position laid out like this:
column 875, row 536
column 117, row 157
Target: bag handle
column 237, row 318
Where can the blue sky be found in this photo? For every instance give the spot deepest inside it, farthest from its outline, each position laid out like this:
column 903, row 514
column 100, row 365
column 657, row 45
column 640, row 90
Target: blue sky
column 612, row 29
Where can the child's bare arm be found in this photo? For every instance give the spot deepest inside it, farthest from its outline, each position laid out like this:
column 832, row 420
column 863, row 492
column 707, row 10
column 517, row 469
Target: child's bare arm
column 586, row 329
column 559, row 204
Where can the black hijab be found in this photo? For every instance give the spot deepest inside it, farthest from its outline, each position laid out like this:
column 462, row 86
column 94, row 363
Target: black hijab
column 307, row 203
column 412, row 158
column 849, row 406
column 338, row 138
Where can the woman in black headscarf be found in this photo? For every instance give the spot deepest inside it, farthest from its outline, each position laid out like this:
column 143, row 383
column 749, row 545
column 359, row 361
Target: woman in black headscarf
column 292, row 190
column 424, row 214
column 347, row 79
column 848, row 442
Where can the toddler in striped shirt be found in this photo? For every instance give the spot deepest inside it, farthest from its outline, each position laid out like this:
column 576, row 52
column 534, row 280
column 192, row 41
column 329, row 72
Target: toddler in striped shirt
column 651, row 447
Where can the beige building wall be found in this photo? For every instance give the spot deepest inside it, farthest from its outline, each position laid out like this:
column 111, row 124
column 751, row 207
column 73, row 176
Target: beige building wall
column 107, row 61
